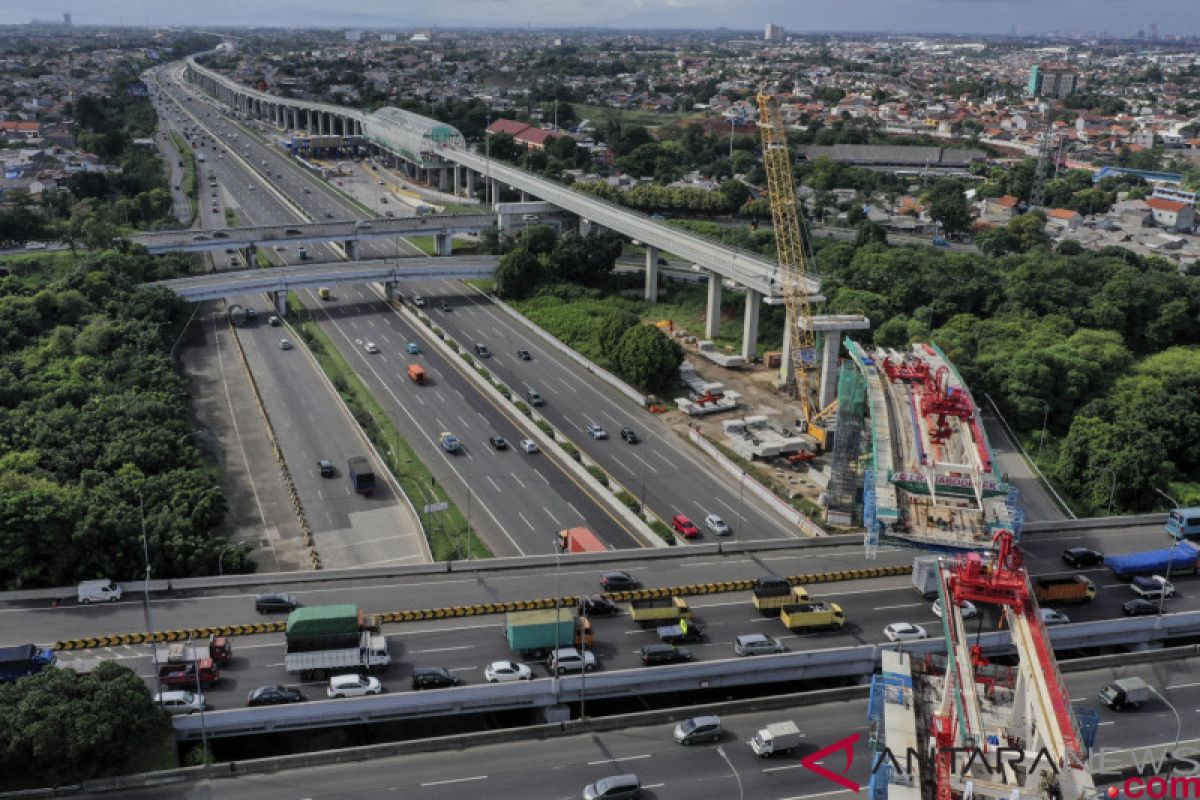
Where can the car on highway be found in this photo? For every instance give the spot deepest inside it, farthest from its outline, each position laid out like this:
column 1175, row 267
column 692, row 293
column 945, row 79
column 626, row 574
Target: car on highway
column 524, row 355
column 413, row 349
column 652, row 654
column 1139, row 608
column 275, row 602
column 326, row 468
column 529, row 446
column 444, row 307
column 220, row 235
column 434, row 678
column 757, row 644
column 616, row 580
column 418, row 301
column 498, row 442
column 596, row 432
column 535, row 399
column 482, row 351
column 1052, row 616
column 597, row 607
column 717, row 525
column 274, row 696
column 966, row 608
column 706, row 728
column 1076, row 557
column 284, row 344
column 180, row 702
column 904, row 632
column 507, row 672
column 362, row 224
column 568, row 659
column 273, row 321
column 292, row 231
column 200, row 238
column 684, row 526
column 353, row 686
column 371, row 347
column 614, row 787
column 630, row 435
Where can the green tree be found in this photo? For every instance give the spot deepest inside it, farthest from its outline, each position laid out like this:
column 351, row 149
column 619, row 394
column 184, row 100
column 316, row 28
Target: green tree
column 613, row 327
column 648, row 359
column 948, row 205
column 517, row 274
column 538, row 239
column 867, row 232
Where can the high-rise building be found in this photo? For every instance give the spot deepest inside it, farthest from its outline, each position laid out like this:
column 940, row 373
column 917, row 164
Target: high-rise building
column 66, row 18
column 773, row 32
column 1052, row 80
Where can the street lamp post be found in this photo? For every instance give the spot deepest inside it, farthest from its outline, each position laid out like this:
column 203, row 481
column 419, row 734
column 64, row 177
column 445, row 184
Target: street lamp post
column 203, row 702
column 1045, row 418
column 557, row 606
column 1112, row 490
column 1170, row 499
column 468, row 531
column 733, row 769
column 146, row 595
column 1178, row 732
column 221, row 556
column 742, row 501
column 1162, row 594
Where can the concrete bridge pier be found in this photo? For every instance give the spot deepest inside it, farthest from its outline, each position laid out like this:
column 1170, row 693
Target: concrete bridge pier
column 444, row 179
column 443, row 244
column 351, row 247
column 457, row 172
column 281, row 302
column 248, row 256
column 585, row 226
column 470, row 183
column 712, row 311
column 750, row 324
column 651, row 292
column 391, row 290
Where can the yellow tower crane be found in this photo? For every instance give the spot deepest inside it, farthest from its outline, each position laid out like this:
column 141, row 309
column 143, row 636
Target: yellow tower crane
column 789, row 245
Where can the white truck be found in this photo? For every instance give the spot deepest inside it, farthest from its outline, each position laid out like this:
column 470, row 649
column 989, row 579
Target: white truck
column 371, row 654
column 1125, row 692
column 778, row 737
column 1153, row 587
column 925, row 576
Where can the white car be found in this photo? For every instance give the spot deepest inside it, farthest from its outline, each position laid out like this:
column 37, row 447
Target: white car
column 529, row 446
column 1052, row 616
column 284, row 344
column 180, row 702
column 353, row 686
column 596, row 432
column 568, row 659
column 506, row 671
column 36, row 246
column 371, row 347
column 966, row 608
column 904, row 632
column 717, row 525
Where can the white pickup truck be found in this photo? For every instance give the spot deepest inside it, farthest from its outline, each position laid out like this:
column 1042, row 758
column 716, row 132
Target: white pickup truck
column 1152, row 587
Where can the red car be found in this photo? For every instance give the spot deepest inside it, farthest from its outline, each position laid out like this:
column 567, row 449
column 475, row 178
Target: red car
column 185, row 674
column 684, row 526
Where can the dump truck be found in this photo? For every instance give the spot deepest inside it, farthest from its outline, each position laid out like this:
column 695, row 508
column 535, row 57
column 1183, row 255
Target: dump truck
column 925, row 576
column 1125, row 692
column 580, row 540
column 216, row 648
column 536, row 633
column 659, row 609
column 1182, row 559
column 810, row 617
column 773, row 593
column 362, row 477
column 683, row 633
column 367, row 653
column 778, row 737
column 22, row 660
column 326, row 627
column 1063, row 590
column 324, row 293
column 416, row 373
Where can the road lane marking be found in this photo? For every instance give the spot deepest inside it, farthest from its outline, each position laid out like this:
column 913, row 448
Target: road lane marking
column 519, row 482
column 493, row 483
column 446, row 649
column 619, row 760
column 901, row 605
column 573, row 508
column 455, row 780
column 551, row 516
column 527, row 522
column 644, row 463
column 569, row 386
column 1183, row 685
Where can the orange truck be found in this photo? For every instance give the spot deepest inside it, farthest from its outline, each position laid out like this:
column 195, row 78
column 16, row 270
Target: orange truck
column 579, row 540
column 417, row 373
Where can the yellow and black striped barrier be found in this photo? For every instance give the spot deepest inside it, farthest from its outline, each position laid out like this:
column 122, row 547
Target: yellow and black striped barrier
column 482, row 609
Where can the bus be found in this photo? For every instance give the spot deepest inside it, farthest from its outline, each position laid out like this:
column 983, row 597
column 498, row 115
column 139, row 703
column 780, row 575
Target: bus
column 1184, row 523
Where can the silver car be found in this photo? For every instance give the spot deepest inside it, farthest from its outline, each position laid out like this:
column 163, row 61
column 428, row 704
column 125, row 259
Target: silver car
column 757, row 644
column 568, row 659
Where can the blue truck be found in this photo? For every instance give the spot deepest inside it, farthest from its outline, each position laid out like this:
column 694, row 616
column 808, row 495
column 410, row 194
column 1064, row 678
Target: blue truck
column 22, row 660
column 362, row 478
column 1182, row 559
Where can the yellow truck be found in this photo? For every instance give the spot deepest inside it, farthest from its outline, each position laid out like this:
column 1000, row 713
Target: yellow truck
column 773, row 593
column 811, row 617
column 324, row 293
column 659, row 609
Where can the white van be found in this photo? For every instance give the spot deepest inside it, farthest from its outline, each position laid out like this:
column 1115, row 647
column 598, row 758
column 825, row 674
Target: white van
column 98, row 591
column 181, row 702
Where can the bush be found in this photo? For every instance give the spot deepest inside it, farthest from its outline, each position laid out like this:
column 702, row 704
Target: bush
column 664, row 532
column 467, row 357
column 524, row 409
column 598, row 474
column 453, row 344
column 483, row 373
column 630, row 501
column 570, row 450
column 546, row 428
column 504, row 390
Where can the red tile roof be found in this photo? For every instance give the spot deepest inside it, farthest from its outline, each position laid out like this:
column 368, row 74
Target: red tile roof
column 19, row 126
column 1063, row 213
column 1008, row 201
column 535, row 136
column 1163, row 204
column 509, row 126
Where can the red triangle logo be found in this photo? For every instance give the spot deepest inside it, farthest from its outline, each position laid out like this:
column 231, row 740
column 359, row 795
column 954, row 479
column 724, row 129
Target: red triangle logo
column 809, row 762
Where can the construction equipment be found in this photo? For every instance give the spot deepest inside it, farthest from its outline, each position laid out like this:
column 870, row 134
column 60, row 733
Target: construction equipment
column 789, row 245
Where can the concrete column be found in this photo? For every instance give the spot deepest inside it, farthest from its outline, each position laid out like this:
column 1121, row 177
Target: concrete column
column 712, row 311
column 351, row 247
column 248, row 256
column 443, row 244
column 494, row 191
column 524, row 197
column 470, row 183
column 750, row 324
column 444, row 179
column 585, row 226
column 392, row 290
column 651, row 293
column 457, row 172
column 829, row 367
column 281, row 302
column 312, row 122
column 787, row 372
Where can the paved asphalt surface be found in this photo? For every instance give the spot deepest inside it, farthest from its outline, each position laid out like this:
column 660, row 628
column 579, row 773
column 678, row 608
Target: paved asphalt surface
column 561, row 767
column 506, row 509
column 1035, row 498
column 468, row 644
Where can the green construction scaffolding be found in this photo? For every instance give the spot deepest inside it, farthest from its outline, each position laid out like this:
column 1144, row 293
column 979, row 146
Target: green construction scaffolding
column 844, row 481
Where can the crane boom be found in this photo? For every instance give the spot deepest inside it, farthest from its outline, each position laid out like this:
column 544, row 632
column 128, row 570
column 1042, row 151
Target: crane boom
column 789, row 245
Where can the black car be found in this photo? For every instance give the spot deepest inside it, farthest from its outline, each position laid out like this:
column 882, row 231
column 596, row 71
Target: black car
column 1076, row 557
column 274, row 696
column 266, row 603
column 498, row 442
column 1139, row 608
column 597, row 607
column 433, row 678
column 524, row 355
column 326, row 467
column 629, row 435
column 482, row 351
column 618, row 580
column 445, row 307
column 664, row 654
column 220, row 235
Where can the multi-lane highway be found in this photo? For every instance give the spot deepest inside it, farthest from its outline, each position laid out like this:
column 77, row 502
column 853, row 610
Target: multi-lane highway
column 561, row 766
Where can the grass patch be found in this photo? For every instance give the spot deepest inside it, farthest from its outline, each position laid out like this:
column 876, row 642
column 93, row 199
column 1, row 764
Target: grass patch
column 485, row 285
column 261, row 258
column 428, row 245
column 462, row 208
column 663, row 531
column 35, row 271
column 231, row 218
column 189, row 185
column 447, row 531
column 632, row 116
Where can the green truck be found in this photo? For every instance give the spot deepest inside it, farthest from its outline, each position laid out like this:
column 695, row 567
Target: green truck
column 325, row 627
column 536, row 633
column 658, row 610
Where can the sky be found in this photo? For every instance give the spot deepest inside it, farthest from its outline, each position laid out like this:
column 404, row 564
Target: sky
column 1115, row 17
